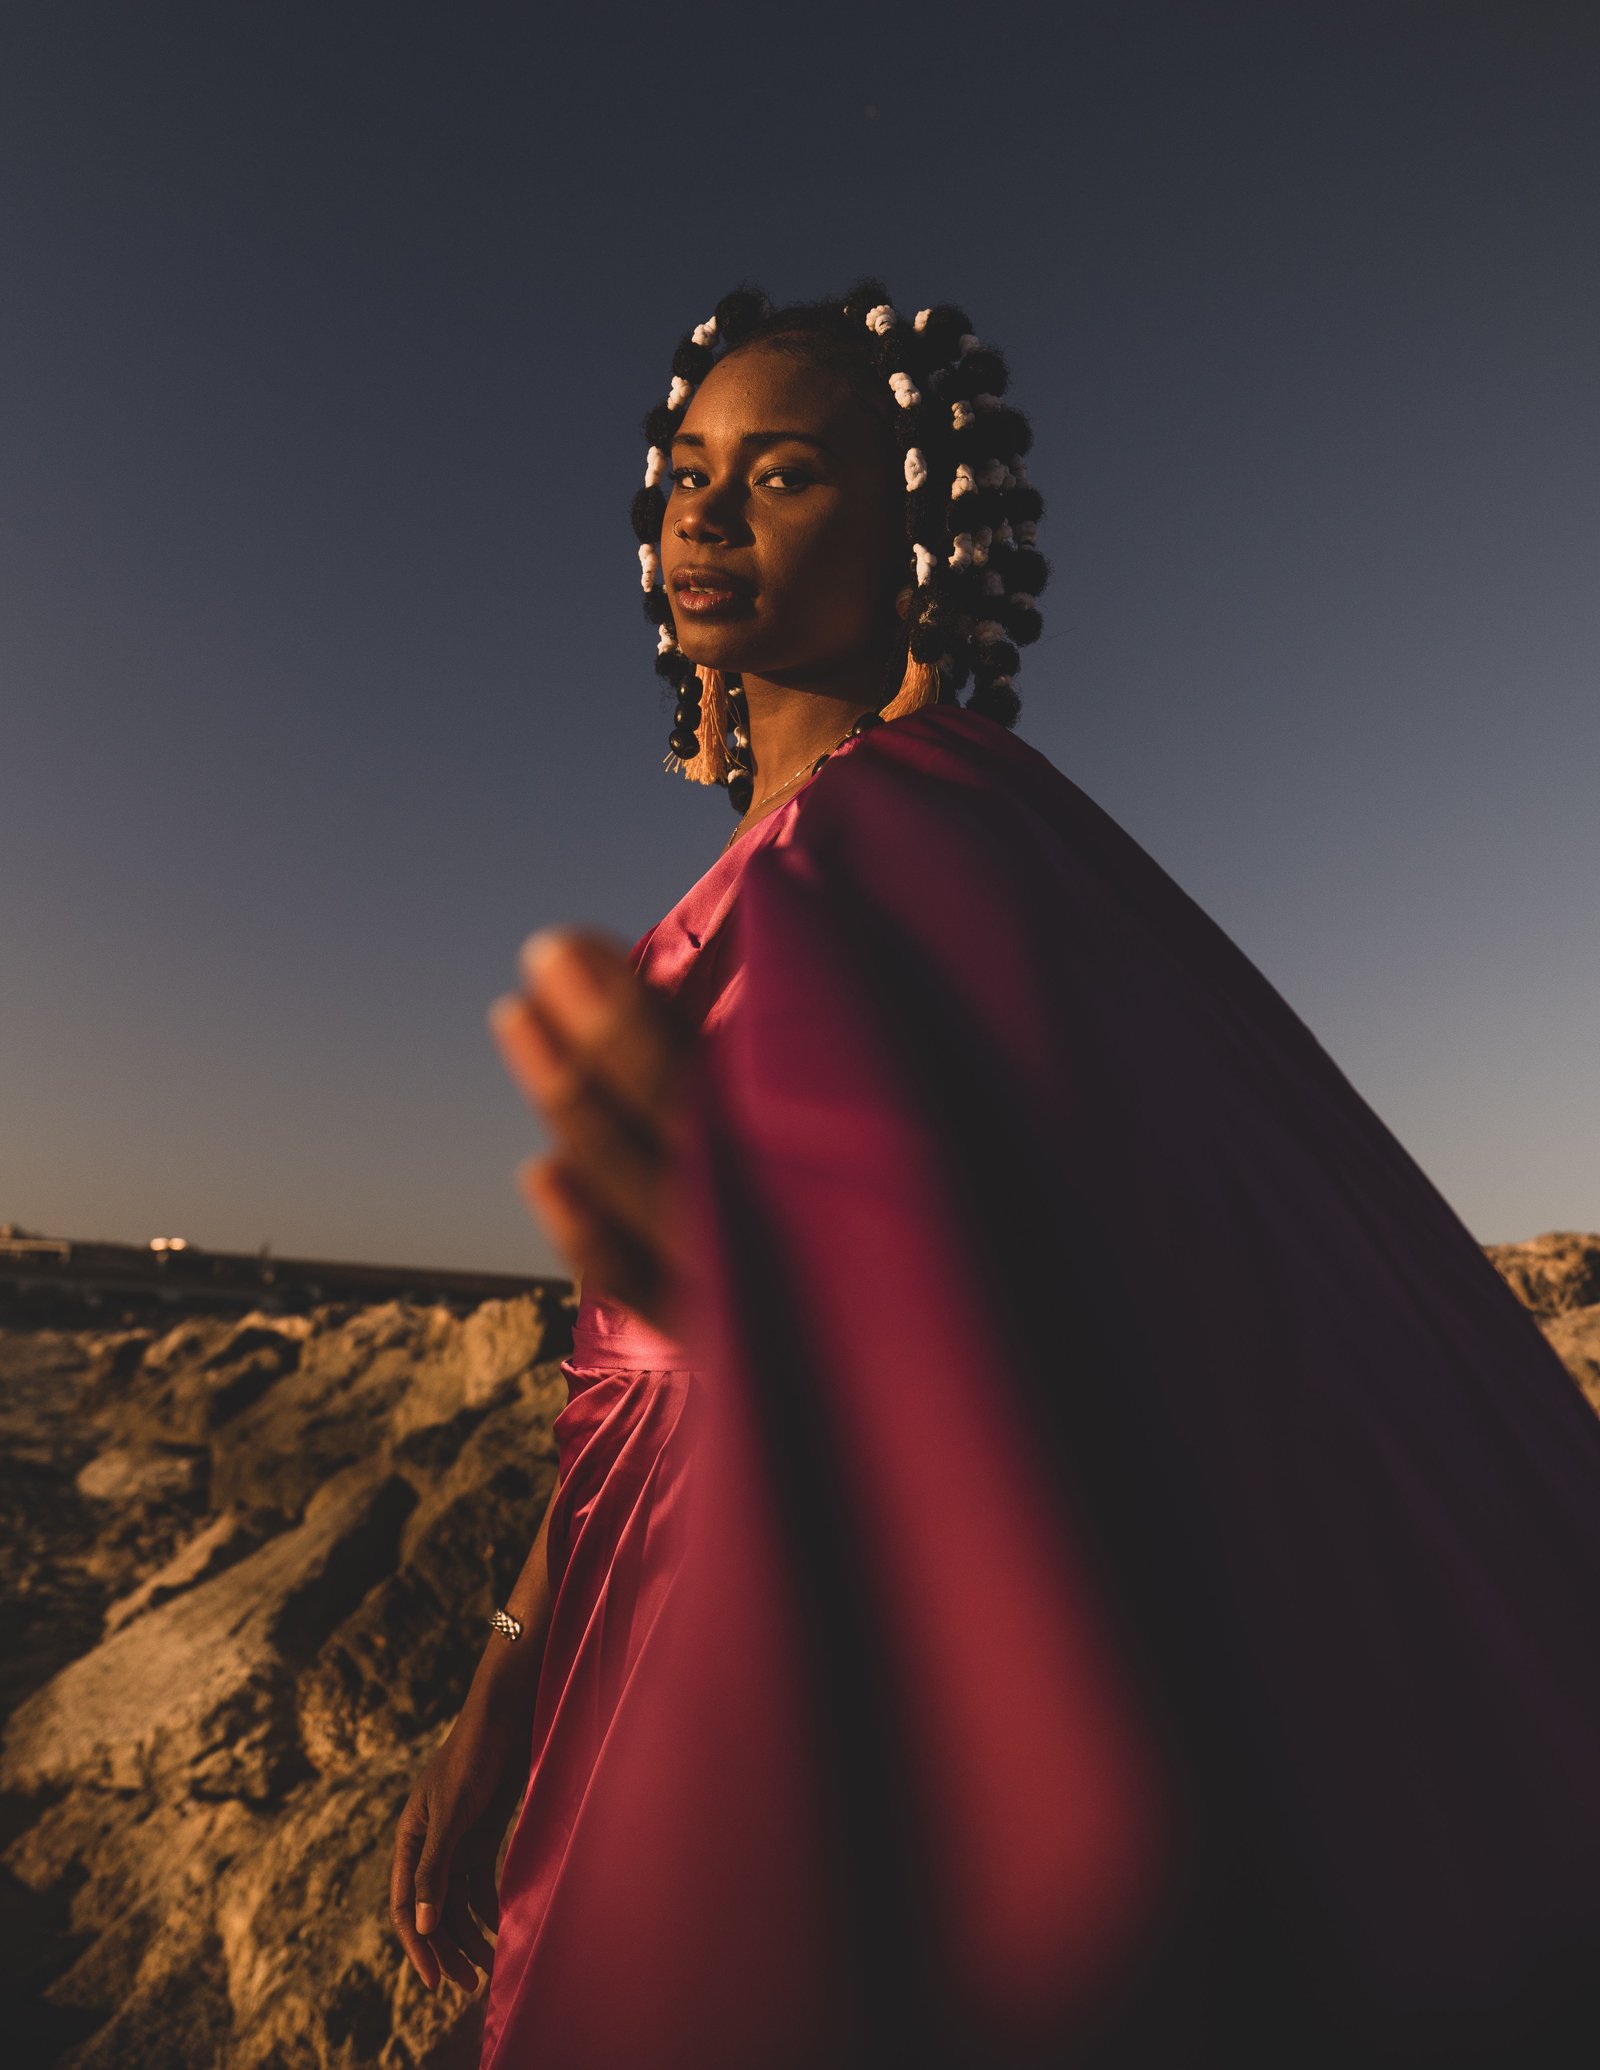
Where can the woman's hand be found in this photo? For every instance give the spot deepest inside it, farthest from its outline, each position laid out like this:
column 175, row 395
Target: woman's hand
column 602, row 1056
column 442, row 1896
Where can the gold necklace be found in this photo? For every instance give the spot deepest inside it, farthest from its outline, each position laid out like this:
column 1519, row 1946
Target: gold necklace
column 805, row 767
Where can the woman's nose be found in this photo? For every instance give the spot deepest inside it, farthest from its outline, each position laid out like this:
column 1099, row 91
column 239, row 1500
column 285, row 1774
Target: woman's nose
column 697, row 524
column 713, row 514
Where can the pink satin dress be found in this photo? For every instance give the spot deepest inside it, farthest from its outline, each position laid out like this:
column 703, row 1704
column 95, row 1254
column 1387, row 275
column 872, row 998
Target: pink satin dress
column 615, row 1536
column 1118, row 1584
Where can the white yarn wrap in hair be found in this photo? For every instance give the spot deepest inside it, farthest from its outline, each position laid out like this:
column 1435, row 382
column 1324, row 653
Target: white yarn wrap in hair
column 925, row 565
column 905, row 391
column 988, row 630
column 980, row 547
column 1021, row 601
column 649, row 567
column 965, row 482
column 968, row 344
column 992, row 585
column 665, row 643
column 881, row 319
column 705, row 333
column 962, row 556
column 1025, row 531
column 679, row 392
column 655, row 466
column 961, row 415
column 995, row 475
column 916, row 469
column 920, row 321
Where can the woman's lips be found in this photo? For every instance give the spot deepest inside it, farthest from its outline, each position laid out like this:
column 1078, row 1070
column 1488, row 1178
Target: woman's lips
column 703, row 593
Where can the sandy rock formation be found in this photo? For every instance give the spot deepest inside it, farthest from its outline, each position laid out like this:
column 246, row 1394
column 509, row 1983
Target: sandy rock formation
column 291, row 1531
column 1558, row 1276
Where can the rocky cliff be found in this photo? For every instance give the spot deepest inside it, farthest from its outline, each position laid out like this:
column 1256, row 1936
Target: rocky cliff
column 245, row 1585
column 247, row 1581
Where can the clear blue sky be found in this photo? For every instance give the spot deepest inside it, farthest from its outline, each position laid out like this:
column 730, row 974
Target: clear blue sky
column 326, row 333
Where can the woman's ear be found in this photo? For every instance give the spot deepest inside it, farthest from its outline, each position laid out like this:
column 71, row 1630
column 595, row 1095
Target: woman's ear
column 902, row 602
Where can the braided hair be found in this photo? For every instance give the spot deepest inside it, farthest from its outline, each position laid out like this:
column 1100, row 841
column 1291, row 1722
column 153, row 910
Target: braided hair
column 971, row 513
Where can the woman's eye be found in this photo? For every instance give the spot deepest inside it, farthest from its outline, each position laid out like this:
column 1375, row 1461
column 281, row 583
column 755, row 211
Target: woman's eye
column 681, row 475
column 787, row 477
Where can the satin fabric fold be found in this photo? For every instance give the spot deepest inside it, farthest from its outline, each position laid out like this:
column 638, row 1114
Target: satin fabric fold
column 1133, row 1564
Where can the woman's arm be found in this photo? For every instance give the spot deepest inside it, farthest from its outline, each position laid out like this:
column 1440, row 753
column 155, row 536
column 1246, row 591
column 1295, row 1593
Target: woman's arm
column 442, row 1887
column 506, row 1679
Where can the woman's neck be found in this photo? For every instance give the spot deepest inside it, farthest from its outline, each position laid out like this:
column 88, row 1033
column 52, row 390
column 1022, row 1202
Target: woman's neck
column 789, row 728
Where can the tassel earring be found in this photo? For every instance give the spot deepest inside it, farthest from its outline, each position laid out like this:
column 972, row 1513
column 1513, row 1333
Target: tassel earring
column 710, row 765
column 699, row 749
column 919, row 686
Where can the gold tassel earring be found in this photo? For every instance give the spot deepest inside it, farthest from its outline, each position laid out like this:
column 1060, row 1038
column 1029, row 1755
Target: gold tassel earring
column 919, row 685
column 710, row 765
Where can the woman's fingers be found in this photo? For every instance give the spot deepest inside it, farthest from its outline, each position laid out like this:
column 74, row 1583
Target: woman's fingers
column 482, row 1895
column 402, row 1896
column 628, row 1037
column 602, row 1056
column 618, row 1174
column 463, row 1931
column 605, row 1255
column 546, row 1070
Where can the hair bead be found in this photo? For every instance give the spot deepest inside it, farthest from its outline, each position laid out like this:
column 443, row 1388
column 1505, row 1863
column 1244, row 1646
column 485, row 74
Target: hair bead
column 661, row 424
column 925, row 565
column 916, row 470
column 905, row 391
column 655, row 466
column 692, row 360
column 678, row 394
column 648, row 513
column 649, row 566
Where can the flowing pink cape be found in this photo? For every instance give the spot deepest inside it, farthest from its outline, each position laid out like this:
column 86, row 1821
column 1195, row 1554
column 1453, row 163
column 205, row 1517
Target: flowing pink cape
column 1103, row 1569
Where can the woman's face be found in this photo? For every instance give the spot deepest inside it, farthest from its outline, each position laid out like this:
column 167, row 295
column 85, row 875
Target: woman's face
column 782, row 548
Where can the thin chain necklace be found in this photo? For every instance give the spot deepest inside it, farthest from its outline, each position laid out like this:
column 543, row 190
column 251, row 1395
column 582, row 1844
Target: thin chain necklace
column 805, row 768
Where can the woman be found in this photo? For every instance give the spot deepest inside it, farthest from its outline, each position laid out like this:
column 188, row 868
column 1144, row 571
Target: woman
column 1065, row 1549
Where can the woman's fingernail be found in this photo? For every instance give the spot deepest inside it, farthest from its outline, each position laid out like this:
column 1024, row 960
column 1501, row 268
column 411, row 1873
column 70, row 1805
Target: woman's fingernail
column 427, row 1918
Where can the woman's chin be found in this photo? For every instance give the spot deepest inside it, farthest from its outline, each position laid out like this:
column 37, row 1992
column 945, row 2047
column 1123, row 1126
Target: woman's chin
column 726, row 655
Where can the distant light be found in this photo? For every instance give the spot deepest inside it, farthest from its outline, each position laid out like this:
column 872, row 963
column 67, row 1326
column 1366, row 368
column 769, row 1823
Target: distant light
column 169, row 1243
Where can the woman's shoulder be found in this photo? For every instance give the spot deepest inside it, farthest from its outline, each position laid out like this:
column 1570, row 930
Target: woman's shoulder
column 940, row 792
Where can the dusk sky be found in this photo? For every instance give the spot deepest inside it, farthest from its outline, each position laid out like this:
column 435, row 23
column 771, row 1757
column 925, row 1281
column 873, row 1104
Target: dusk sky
column 325, row 337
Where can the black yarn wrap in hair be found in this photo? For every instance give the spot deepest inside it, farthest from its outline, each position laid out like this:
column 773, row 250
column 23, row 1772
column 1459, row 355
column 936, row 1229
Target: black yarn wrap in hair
column 994, row 580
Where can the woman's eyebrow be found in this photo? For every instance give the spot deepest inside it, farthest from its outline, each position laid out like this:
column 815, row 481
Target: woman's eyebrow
column 758, row 438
